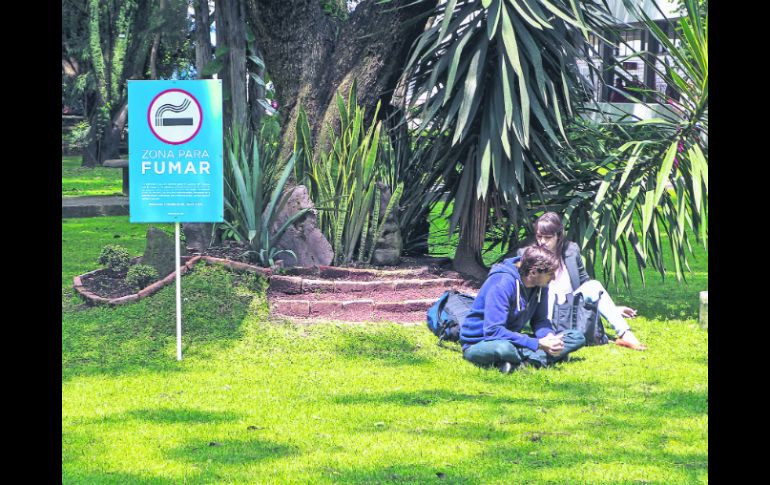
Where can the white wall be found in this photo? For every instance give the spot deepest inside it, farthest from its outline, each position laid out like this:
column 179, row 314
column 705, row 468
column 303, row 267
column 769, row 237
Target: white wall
column 619, row 11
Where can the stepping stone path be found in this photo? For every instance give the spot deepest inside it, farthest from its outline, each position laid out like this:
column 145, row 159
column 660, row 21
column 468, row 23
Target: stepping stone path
column 359, row 295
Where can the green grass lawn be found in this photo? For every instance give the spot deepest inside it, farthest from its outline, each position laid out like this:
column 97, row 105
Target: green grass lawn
column 82, row 181
column 257, row 400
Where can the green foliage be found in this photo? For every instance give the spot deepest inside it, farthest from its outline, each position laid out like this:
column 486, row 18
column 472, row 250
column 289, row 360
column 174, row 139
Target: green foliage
column 115, row 258
column 502, row 85
column 337, row 9
column 346, row 181
column 140, row 276
column 254, row 192
column 660, row 173
column 414, row 162
column 77, row 137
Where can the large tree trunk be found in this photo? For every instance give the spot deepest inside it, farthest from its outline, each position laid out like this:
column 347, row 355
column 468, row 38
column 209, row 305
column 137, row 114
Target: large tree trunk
column 107, row 145
column 310, row 56
column 202, row 35
column 473, row 229
column 230, row 20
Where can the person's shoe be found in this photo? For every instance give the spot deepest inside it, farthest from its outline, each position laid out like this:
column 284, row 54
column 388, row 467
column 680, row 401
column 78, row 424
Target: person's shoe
column 505, row 367
column 624, row 343
column 533, row 363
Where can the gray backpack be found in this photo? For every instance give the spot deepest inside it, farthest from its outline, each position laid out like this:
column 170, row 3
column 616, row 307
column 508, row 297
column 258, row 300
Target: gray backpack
column 577, row 313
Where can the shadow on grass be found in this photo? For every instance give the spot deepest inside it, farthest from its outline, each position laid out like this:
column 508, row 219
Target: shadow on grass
column 403, row 473
column 428, row 397
column 385, row 345
column 141, row 336
column 169, row 416
column 231, row 452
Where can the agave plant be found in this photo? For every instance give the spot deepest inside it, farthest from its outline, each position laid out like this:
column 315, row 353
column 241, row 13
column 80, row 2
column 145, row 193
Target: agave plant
column 253, row 188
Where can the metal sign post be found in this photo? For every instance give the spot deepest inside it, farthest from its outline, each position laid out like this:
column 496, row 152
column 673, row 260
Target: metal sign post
column 178, row 294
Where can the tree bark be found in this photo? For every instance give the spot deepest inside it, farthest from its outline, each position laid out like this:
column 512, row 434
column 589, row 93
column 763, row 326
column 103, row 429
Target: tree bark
column 473, row 229
column 202, row 35
column 107, row 145
column 230, row 17
column 310, row 56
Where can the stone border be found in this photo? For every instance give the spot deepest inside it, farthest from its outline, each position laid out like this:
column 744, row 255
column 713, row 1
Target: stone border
column 94, row 299
column 289, row 285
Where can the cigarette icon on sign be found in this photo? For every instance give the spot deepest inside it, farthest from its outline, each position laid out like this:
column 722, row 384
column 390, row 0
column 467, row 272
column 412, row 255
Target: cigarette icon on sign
column 161, row 120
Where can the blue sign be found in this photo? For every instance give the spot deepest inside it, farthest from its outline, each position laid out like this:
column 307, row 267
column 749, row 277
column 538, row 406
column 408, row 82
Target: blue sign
column 175, row 164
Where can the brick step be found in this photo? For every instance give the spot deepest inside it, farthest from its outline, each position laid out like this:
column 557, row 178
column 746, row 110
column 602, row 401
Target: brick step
column 293, row 285
column 366, row 274
column 371, row 294
column 354, row 310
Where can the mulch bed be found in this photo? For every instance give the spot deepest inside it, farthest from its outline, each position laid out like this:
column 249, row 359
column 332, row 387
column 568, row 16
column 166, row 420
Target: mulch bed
column 231, row 250
column 104, row 283
column 107, row 284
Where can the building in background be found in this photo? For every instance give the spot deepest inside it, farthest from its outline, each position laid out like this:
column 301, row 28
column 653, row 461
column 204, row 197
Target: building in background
column 621, row 61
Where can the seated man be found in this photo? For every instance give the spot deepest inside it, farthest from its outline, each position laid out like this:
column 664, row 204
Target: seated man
column 514, row 293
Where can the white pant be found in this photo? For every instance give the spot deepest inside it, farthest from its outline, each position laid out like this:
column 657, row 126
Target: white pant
column 607, row 308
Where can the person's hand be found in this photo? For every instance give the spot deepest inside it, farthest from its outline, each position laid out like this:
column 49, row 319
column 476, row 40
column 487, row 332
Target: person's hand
column 552, row 344
column 629, row 340
column 627, row 312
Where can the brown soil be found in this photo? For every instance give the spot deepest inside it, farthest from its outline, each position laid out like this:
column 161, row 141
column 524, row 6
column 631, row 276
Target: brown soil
column 107, row 284
column 231, row 250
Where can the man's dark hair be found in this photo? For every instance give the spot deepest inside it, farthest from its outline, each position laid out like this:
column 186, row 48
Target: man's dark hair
column 537, row 259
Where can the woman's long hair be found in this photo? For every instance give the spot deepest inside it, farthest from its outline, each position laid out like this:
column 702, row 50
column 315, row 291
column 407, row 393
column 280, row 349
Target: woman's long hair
column 550, row 224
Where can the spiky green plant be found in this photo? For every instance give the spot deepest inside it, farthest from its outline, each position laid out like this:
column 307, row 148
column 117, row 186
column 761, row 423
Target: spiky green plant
column 661, row 173
column 253, row 194
column 343, row 181
column 501, row 77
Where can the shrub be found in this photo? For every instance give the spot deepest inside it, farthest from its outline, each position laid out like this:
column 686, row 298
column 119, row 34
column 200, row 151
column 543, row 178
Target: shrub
column 115, row 258
column 140, row 276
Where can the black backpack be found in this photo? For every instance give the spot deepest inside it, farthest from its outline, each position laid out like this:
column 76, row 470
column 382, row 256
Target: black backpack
column 446, row 315
column 580, row 314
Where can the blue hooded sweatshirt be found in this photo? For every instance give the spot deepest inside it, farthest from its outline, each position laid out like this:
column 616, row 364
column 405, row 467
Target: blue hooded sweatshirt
column 500, row 311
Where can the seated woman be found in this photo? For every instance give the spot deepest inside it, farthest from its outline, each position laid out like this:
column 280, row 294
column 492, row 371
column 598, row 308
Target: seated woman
column 571, row 277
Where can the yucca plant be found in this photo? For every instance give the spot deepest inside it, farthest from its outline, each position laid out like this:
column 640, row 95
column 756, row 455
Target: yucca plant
column 346, row 180
column 414, row 161
column 253, row 188
column 661, row 172
column 501, row 77
column 656, row 170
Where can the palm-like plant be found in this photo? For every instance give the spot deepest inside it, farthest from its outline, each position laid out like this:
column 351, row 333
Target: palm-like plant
column 656, row 170
column 501, row 77
column 661, row 174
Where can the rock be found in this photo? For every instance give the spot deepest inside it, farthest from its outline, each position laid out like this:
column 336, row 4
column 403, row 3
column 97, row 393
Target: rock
column 303, row 236
column 387, row 250
column 198, row 235
column 160, row 252
column 704, row 310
